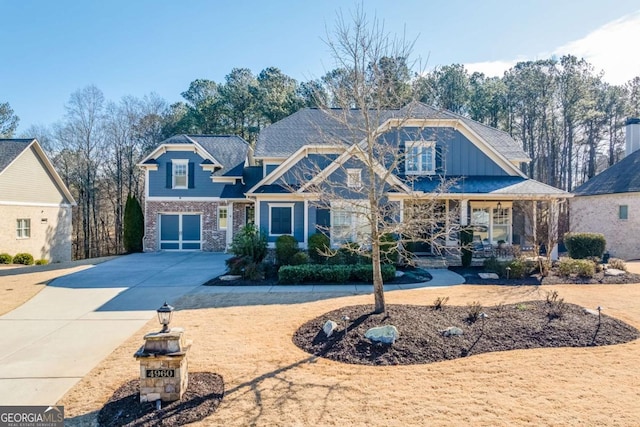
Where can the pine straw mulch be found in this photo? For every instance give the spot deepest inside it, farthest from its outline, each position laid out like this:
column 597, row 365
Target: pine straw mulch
column 201, row 399
column 526, row 325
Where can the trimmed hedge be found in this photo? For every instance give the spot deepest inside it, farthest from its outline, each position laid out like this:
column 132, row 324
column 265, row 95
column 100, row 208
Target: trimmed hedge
column 300, row 258
column 42, row 261
column 519, row 268
column 318, row 243
column 579, row 267
column 23, row 258
column 6, row 259
column 585, row 245
column 332, row 273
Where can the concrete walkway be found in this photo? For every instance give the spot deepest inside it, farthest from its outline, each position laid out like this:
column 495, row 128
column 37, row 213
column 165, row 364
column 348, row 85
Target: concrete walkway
column 57, row 337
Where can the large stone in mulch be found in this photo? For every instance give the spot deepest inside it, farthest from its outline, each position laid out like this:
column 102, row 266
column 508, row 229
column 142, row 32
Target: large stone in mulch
column 230, row 277
column 488, row 276
column 452, row 331
column 202, row 398
column 614, row 272
column 387, row 334
column 329, row 327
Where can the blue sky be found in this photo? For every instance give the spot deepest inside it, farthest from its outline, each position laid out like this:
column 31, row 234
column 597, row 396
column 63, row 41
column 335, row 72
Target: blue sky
column 52, row 48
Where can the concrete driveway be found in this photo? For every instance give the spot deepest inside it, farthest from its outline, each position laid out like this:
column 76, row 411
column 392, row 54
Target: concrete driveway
column 57, row 337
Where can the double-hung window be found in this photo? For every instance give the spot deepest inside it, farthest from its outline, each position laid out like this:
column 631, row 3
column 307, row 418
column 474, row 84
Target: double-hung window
column 280, row 219
column 420, row 158
column 23, row 228
column 180, row 170
column 349, row 223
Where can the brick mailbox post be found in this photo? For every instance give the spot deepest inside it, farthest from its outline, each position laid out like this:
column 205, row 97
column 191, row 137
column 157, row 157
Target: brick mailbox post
column 164, row 371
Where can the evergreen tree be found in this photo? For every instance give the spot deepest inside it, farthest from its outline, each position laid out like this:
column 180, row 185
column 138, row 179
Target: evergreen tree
column 133, row 225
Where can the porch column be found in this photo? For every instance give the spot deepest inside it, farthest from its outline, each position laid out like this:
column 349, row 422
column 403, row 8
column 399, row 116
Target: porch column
column 305, row 224
column 534, row 214
column 553, row 228
column 229, row 225
column 464, row 212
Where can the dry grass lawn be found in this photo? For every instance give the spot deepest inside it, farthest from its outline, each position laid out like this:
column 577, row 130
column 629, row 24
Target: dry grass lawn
column 246, row 338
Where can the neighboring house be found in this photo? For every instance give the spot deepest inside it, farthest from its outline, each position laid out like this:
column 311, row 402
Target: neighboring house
column 194, row 197
column 609, row 203
column 35, row 205
column 311, row 147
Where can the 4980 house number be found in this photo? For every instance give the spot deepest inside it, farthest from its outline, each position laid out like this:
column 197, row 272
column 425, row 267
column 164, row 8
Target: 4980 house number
column 161, row 373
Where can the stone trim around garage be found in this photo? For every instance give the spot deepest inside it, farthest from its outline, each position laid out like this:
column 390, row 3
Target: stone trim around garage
column 213, row 239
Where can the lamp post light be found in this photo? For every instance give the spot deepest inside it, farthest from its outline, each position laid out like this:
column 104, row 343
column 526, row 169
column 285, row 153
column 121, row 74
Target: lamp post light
column 508, row 270
column 164, row 316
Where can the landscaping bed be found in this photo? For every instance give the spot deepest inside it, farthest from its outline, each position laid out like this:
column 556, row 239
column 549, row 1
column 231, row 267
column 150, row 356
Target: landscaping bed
column 553, row 278
column 526, row 325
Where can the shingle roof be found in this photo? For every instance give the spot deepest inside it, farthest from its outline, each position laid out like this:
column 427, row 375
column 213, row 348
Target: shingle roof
column 230, row 150
column 498, row 185
column 317, row 126
column 10, row 149
column 623, row 177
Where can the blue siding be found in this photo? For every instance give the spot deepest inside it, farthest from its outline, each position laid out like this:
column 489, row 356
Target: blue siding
column 270, row 168
column 298, row 219
column 455, row 154
column 202, row 185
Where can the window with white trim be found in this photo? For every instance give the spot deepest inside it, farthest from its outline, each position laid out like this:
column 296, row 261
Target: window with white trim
column 492, row 222
column 280, row 219
column 23, row 228
column 180, row 171
column 222, row 217
column 349, row 223
column 354, row 178
column 420, row 158
column 623, row 212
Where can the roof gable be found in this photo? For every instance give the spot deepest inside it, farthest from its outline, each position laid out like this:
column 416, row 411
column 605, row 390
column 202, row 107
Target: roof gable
column 623, row 177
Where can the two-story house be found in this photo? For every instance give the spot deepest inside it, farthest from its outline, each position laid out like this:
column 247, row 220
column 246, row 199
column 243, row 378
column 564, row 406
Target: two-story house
column 315, row 146
column 35, row 204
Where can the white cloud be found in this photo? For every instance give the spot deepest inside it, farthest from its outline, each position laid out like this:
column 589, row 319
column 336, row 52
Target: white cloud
column 611, row 48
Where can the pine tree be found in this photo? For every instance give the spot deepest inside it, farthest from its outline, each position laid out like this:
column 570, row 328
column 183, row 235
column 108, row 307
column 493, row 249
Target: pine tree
column 133, row 225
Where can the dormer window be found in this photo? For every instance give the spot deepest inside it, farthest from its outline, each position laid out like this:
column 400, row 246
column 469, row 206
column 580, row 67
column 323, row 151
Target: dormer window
column 180, row 170
column 354, row 178
column 420, row 158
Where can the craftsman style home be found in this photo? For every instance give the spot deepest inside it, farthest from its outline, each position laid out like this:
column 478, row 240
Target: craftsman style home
column 202, row 189
column 35, row 205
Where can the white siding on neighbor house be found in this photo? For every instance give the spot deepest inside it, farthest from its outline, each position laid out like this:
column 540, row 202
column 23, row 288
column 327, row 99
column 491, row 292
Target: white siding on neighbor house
column 599, row 214
column 50, row 232
column 28, row 180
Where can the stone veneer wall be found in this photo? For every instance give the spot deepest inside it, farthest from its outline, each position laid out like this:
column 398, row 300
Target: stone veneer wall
column 167, row 389
column 599, row 214
column 213, row 240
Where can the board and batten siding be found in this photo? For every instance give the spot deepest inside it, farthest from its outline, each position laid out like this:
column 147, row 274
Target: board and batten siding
column 27, row 180
column 202, row 184
column 298, row 219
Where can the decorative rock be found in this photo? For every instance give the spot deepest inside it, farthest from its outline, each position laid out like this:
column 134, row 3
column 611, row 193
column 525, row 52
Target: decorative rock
column 614, row 272
column 488, row 276
column 383, row 334
column 399, row 273
column 329, row 327
column 230, row 277
column 452, row 331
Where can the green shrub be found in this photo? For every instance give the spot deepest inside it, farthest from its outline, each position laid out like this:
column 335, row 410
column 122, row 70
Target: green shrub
column 251, row 242
column 466, row 237
column 237, row 264
column 300, row 258
column 618, row 264
column 23, row 258
column 133, row 226
column 492, row 265
column 42, row 261
column 580, row 267
column 6, row 259
column 286, row 248
column 331, row 273
column 253, row 271
column 389, row 249
column 518, row 268
column 583, row 245
column 351, row 254
column 318, row 244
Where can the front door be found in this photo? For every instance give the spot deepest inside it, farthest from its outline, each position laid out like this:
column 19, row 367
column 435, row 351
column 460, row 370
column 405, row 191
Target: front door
column 180, row 232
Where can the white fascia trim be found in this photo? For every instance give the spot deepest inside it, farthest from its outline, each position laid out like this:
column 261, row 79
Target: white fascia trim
column 627, row 194
column 355, row 150
column 282, row 205
column 228, row 179
column 195, row 148
column 477, row 196
column 183, row 199
column 36, row 204
column 470, row 134
column 293, row 159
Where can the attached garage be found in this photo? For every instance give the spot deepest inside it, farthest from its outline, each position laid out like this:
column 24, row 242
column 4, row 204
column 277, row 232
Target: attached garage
column 180, row 231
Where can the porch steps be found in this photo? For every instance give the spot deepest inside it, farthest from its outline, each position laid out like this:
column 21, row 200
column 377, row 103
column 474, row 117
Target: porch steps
column 431, row 262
